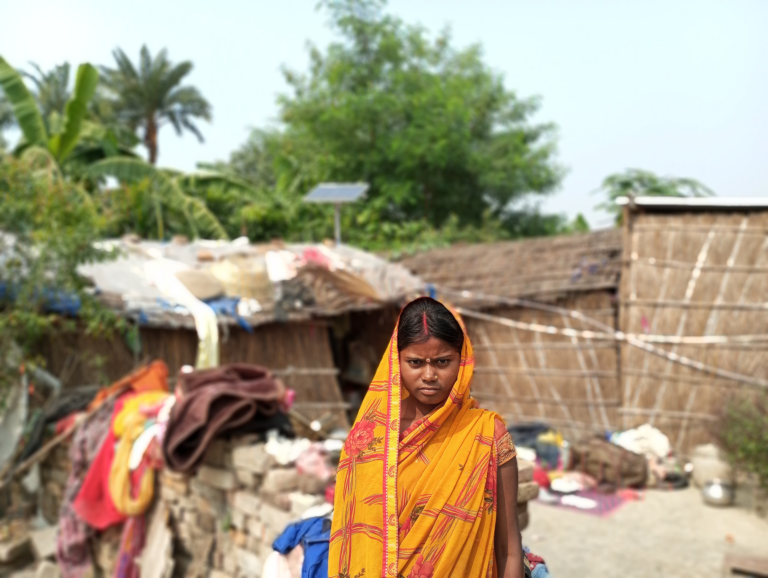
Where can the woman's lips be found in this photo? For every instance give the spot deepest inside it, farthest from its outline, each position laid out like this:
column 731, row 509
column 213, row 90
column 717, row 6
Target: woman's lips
column 429, row 390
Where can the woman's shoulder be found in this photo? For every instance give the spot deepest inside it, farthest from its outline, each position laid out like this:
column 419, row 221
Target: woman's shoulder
column 489, row 416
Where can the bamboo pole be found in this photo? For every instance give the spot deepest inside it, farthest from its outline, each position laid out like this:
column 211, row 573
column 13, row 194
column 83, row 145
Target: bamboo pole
column 662, row 413
column 652, row 262
column 695, row 305
column 702, row 229
column 548, row 400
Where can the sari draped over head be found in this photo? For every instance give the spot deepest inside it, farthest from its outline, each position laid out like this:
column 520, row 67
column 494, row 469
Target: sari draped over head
column 423, row 506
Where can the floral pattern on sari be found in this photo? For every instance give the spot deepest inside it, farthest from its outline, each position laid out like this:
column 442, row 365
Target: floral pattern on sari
column 415, row 506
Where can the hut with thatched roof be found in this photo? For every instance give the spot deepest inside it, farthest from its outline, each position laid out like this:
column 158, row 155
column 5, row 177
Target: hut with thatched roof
column 696, row 278
column 657, row 322
column 282, row 306
column 537, row 375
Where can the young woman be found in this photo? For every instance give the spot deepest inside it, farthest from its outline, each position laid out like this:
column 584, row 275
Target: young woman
column 427, row 483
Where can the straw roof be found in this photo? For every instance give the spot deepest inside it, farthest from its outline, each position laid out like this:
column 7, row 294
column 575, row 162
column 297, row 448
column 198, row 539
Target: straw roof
column 544, row 269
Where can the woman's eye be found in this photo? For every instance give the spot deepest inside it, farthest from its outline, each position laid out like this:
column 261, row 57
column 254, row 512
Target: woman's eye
column 415, row 362
column 443, row 361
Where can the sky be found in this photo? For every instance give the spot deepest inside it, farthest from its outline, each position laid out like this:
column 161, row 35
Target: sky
column 678, row 87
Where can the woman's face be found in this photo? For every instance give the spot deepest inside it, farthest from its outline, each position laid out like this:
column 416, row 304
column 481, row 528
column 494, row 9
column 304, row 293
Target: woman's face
column 428, row 370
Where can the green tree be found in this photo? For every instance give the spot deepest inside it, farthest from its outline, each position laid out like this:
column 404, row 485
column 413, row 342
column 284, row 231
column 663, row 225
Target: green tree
column 155, row 202
column 640, row 183
column 146, row 96
column 431, row 128
column 47, row 232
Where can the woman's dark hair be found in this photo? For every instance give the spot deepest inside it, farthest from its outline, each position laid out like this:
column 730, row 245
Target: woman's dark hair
column 424, row 318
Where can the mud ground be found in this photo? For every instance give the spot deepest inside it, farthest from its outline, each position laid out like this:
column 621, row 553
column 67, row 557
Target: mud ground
column 671, row 534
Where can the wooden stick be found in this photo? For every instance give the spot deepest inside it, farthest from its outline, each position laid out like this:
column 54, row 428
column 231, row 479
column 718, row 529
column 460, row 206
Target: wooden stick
column 548, row 372
column 667, row 413
column 322, row 405
column 580, row 425
column 544, row 345
column 702, row 229
column 305, row 421
column 695, row 305
column 41, row 454
column 651, row 262
column 604, row 374
column 548, row 400
column 305, row 371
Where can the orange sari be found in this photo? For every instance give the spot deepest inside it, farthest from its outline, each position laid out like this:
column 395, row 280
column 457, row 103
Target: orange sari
column 423, row 507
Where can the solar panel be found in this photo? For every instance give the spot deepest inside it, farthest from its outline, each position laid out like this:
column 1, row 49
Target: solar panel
column 336, row 192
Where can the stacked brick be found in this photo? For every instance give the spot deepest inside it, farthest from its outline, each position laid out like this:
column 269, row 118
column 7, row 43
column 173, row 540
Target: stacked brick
column 226, row 516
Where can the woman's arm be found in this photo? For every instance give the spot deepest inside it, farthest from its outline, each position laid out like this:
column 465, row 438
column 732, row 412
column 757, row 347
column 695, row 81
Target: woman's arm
column 508, row 549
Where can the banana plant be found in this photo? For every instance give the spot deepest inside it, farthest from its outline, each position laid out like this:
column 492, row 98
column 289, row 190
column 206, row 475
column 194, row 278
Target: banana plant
column 37, row 142
column 168, row 194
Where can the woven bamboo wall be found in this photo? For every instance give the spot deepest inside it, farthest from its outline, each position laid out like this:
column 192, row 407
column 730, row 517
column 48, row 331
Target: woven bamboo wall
column 299, row 352
column 526, row 376
column 691, row 274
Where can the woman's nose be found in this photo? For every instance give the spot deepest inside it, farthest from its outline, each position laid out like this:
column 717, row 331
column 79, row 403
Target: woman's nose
column 429, row 373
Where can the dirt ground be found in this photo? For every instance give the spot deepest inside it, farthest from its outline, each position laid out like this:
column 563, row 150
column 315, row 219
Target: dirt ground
column 670, row 534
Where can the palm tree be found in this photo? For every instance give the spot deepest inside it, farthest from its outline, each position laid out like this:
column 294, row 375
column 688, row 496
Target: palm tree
column 150, row 95
column 51, row 89
column 640, row 183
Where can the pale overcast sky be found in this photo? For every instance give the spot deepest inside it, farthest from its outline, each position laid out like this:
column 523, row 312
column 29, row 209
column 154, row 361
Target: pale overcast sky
column 676, row 87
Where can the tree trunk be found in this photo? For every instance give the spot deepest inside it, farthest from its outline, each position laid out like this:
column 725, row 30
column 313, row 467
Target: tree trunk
column 150, row 139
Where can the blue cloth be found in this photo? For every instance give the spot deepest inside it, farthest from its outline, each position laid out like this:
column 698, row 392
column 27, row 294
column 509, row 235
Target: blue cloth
column 314, row 535
column 228, row 306
column 540, row 571
column 54, row 300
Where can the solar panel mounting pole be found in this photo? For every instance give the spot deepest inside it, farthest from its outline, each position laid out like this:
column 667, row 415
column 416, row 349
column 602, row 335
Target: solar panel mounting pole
column 337, row 223
column 336, row 193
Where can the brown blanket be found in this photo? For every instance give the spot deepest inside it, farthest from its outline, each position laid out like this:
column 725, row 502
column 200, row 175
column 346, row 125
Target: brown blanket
column 214, row 401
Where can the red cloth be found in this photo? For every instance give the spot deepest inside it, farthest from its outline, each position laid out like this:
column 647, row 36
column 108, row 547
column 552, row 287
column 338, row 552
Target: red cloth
column 330, row 493
column 93, row 503
column 540, row 476
column 65, row 423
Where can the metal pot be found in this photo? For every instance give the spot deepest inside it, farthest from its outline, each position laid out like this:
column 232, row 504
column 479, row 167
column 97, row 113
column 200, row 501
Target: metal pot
column 718, row 492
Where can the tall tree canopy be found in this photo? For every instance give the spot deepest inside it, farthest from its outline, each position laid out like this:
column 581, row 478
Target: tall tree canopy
column 640, row 183
column 147, row 96
column 430, row 127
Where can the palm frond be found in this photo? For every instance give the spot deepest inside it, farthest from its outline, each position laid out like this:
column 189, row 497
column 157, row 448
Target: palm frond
column 25, row 109
column 85, row 87
column 167, row 190
column 39, row 158
column 192, row 127
column 123, row 169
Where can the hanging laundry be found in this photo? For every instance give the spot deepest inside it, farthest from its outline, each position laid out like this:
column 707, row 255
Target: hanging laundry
column 72, row 549
column 215, row 401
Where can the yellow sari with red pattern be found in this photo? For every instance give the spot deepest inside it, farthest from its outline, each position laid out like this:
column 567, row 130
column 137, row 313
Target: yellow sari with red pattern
column 423, row 506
